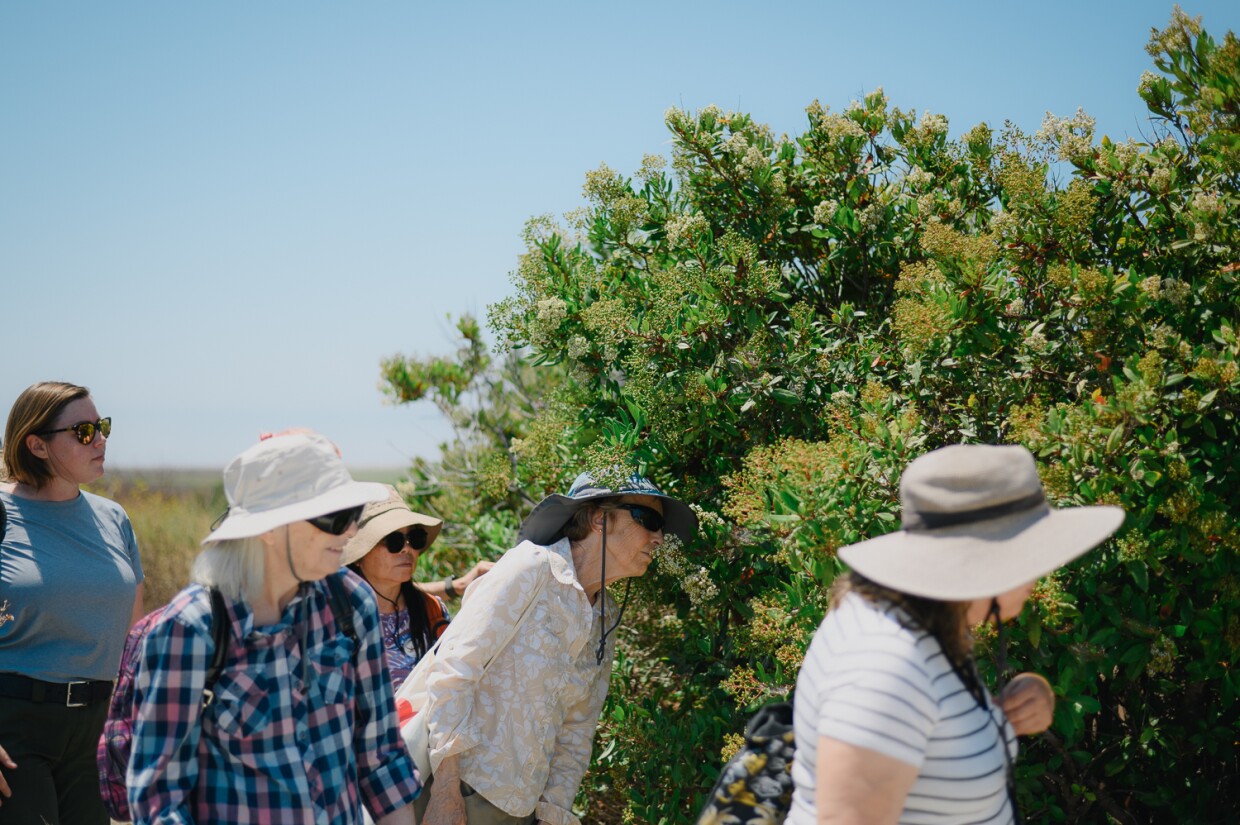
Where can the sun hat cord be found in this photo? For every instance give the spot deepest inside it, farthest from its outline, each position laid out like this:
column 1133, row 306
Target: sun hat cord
column 303, row 590
column 605, row 630
column 1001, row 668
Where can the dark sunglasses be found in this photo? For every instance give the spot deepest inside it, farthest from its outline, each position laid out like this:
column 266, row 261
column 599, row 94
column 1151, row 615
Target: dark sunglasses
column 338, row 522
column 415, row 538
column 647, row 517
column 85, row 430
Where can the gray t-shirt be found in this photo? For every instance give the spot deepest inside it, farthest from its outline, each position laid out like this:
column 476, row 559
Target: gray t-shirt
column 68, row 574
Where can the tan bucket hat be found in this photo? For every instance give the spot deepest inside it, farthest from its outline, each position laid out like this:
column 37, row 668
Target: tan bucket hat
column 383, row 517
column 976, row 523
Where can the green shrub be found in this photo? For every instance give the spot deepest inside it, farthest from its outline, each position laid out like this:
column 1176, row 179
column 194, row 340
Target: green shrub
column 776, row 326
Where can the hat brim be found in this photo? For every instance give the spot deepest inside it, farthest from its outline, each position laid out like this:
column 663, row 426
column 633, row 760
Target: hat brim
column 545, row 523
column 241, row 524
column 983, row 559
column 383, row 524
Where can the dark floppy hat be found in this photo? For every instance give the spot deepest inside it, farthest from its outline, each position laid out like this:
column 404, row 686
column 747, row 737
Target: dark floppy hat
column 976, row 523
column 545, row 523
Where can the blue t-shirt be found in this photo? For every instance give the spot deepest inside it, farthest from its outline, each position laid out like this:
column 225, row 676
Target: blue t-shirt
column 69, row 571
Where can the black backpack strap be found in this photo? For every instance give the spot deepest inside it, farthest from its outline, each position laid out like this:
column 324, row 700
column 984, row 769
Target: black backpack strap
column 342, row 608
column 4, row 520
column 221, row 634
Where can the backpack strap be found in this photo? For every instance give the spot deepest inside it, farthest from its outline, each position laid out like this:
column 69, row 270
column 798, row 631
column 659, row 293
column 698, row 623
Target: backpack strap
column 342, row 608
column 221, row 633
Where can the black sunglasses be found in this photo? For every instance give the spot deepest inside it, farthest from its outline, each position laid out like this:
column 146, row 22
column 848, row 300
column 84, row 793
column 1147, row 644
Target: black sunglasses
column 415, row 538
column 85, row 430
column 647, row 517
column 339, row 522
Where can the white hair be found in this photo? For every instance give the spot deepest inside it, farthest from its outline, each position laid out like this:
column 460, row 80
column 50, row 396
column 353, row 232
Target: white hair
column 232, row 566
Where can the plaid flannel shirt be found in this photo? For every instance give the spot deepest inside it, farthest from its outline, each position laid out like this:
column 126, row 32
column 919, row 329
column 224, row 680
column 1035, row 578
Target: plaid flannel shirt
column 268, row 748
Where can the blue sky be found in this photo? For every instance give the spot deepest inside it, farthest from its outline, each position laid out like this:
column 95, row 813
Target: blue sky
column 221, row 216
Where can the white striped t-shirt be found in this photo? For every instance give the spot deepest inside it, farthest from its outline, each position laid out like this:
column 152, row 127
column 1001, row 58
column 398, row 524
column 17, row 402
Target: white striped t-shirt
column 873, row 680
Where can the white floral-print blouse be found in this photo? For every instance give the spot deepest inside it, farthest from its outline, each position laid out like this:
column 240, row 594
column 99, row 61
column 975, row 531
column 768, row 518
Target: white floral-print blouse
column 524, row 729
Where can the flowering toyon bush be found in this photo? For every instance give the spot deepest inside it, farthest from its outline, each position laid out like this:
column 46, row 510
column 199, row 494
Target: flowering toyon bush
column 774, row 326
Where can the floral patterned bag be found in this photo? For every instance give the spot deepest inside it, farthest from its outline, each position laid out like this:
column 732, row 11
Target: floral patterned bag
column 755, row 787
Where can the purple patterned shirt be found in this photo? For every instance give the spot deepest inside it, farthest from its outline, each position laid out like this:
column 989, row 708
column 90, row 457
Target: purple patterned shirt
column 286, row 739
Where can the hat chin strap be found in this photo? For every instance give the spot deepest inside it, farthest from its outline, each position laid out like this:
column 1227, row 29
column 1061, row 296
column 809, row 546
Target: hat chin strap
column 288, row 555
column 1001, row 652
column 628, row 588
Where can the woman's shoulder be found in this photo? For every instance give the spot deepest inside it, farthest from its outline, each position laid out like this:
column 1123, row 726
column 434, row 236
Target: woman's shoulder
column 189, row 609
column 862, row 621
column 105, row 506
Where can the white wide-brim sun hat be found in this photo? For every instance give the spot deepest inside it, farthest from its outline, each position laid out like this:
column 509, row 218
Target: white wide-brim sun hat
column 976, row 524
column 286, row 479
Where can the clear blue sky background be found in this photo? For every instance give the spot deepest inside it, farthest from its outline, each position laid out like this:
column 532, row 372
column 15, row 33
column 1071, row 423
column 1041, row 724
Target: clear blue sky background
column 221, row 216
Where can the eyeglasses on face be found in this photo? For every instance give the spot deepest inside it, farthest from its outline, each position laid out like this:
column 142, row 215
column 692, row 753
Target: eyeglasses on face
column 415, row 538
column 339, row 522
column 647, row 517
column 86, row 430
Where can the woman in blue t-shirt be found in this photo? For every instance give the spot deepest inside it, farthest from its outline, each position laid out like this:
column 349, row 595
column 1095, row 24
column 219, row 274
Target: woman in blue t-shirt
column 70, row 587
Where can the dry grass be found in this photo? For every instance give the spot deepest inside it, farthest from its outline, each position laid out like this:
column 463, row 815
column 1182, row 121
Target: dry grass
column 171, row 512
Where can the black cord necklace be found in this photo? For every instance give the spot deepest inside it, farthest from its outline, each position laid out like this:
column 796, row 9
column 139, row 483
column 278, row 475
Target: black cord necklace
column 395, row 603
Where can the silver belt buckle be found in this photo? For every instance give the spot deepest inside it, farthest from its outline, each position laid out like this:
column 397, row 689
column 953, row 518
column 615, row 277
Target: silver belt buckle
column 69, row 703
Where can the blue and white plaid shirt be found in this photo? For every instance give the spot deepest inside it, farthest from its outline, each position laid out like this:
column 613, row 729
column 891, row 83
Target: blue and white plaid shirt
column 270, row 747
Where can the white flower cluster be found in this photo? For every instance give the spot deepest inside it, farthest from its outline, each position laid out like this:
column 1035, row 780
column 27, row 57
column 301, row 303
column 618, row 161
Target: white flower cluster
column 699, row 587
column 1036, row 341
column 548, row 314
column 1073, row 136
column 841, row 397
column 1175, row 291
column 933, row 124
column 551, row 311
column 871, row 217
column 918, row 177
column 685, row 229
column 669, row 557
column 1206, row 208
column 652, row 165
column 839, row 127
column 1160, row 180
column 1151, row 286
column 671, row 561
column 578, row 346
column 1146, row 84
column 754, row 158
column 736, row 144
column 825, row 211
column 707, row 516
column 1016, row 307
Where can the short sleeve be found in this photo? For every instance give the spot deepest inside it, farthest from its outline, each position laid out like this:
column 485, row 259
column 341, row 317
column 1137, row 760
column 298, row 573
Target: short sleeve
column 884, row 701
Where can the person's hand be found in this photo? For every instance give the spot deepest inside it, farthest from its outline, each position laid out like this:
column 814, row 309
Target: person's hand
column 479, row 569
column 7, row 762
column 1029, row 703
column 446, row 807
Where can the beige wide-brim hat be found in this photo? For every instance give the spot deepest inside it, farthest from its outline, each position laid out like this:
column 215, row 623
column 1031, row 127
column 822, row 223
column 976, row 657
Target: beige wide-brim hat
column 976, row 524
column 286, row 479
column 387, row 516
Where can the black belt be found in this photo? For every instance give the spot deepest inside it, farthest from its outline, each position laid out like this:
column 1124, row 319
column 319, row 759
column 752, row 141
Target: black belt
column 69, row 694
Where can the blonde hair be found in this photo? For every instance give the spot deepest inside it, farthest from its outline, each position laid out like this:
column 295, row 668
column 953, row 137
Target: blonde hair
column 34, row 412
column 232, row 566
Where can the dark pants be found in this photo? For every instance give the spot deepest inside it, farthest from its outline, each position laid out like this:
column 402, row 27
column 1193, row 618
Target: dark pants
column 56, row 781
column 477, row 810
